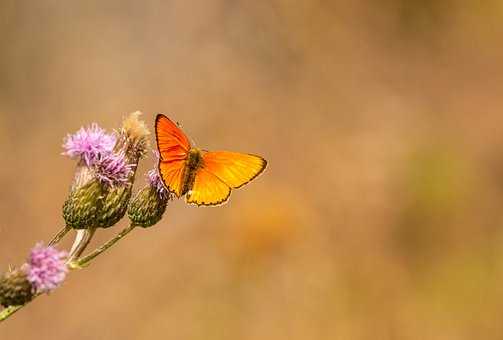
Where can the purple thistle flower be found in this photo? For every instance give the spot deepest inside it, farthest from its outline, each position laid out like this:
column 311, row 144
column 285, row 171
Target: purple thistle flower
column 155, row 181
column 89, row 143
column 112, row 169
column 46, row 268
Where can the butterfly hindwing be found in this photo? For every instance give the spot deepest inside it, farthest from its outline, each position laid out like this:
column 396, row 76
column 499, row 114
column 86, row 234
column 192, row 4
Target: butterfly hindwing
column 208, row 189
column 172, row 175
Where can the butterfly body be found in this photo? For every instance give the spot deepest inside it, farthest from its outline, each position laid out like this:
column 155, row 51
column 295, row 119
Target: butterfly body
column 204, row 177
column 194, row 162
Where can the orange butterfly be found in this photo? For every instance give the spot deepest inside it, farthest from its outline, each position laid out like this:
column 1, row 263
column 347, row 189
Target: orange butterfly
column 204, row 177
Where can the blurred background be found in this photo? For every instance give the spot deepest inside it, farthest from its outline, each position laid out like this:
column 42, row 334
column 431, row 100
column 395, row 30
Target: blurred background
column 379, row 216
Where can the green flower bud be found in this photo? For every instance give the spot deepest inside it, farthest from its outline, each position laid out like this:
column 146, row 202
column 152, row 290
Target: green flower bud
column 115, row 204
column 15, row 289
column 147, row 207
column 103, row 181
column 132, row 141
column 81, row 208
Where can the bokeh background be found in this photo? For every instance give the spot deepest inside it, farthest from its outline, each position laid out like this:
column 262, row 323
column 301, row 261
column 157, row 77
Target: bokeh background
column 379, row 216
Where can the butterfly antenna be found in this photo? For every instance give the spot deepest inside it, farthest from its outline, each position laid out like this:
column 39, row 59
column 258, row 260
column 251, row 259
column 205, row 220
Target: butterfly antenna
column 192, row 141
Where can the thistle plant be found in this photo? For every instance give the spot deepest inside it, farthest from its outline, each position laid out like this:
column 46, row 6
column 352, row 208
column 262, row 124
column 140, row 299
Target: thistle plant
column 100, row 196
column 43, row 272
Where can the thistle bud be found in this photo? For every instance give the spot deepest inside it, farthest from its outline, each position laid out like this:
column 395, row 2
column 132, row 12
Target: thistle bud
column 89, row 145
column 149, row 205
column 130, row 148
column 81, row 208
column 46, row 268
column 15, row 289
column 107, row 163
column 133, row 138
column 115, row 174
column 114, row 207
column 43, row 272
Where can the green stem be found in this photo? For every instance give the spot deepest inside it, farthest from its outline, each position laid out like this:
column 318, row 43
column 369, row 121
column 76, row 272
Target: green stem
column 7, row 312
column 83, row 261
column 59, row 235
column 81, row 242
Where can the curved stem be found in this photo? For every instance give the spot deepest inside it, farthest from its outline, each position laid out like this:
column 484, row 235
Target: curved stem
column 59, row 235
column 82, row 240
column 83, row 261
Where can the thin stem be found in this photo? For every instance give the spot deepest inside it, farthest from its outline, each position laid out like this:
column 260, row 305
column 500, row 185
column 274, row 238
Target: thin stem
column 88, row 258
column 7, row 312
column 81, row 242
column 59, row 235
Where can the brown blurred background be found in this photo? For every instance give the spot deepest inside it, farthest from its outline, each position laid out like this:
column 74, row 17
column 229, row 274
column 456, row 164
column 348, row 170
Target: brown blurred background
column 379, row 216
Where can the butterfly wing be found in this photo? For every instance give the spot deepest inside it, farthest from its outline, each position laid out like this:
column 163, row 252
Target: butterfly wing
column 173, row 147
column 233, row 168
column 208, row 189
column 222, row 171
column 172, row 176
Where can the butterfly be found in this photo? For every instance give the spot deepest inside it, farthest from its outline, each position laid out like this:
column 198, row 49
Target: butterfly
column 204, row 177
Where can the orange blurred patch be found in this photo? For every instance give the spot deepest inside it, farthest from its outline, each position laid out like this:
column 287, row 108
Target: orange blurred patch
column 261, row 231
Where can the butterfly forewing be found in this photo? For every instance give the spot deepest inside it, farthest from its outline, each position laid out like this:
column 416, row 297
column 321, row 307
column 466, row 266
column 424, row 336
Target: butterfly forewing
column 173, row 147
column 171, row 141
column 233, row 168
